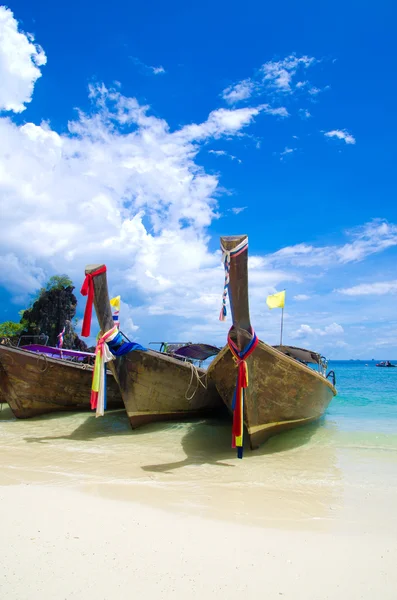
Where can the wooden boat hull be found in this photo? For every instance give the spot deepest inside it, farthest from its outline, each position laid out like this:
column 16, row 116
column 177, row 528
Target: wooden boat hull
column 34, row 384
column 154, row 386
column 282, row 393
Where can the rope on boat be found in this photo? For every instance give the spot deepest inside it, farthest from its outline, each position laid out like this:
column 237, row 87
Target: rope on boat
column 45, row 361
column 199, row 381
column 10, row 359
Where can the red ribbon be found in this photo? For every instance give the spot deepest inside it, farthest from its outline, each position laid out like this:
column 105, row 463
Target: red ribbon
column 242, row 382
column 87, row 289
column 240, row 357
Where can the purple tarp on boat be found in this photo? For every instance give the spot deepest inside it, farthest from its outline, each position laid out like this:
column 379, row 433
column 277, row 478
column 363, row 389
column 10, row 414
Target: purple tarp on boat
column 57, row 352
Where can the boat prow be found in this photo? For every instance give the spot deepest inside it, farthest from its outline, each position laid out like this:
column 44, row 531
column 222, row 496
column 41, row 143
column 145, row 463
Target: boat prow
column 154, row 386
column 283, row 392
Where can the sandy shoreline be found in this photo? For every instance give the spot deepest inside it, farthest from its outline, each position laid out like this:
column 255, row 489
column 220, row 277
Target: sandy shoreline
column 92, row 509
column 60, row 543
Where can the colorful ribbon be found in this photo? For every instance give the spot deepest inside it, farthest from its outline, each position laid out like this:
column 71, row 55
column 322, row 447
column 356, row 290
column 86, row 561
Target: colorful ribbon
column 102, row 356
column 227, row 255
column 115, row 304
column 240, row 357
column 60, row 338
column 87, row 289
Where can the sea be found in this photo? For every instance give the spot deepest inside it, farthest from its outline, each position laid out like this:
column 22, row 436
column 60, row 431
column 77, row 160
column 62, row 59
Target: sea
column 320, row 476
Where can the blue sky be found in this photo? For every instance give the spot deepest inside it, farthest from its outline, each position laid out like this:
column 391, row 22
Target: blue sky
column 137, row 134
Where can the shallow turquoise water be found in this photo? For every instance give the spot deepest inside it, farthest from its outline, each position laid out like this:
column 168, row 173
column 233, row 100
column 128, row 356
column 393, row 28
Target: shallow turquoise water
column 323, row 473
column 367, row 397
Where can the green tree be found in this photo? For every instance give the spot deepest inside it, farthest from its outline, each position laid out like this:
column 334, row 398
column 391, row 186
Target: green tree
column 11, row 329
column 56, row 282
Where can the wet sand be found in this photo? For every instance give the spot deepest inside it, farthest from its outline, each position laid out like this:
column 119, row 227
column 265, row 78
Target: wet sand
column 92, row 509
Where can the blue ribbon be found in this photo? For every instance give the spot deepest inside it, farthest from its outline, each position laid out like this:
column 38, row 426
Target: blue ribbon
column 118, row 346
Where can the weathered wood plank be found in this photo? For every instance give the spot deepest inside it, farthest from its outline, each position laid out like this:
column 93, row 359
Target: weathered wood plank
column 34, row 384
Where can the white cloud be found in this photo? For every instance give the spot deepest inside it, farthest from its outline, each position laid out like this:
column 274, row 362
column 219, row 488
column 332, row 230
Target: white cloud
column 279, row 74
column 274, row 77
column 224, row 153
column 147, row 69
column 238, row 209
column 219, row 152
column 304, row 113
column 379, row 288
column 20, row 62
column 224, row 122
column 278, row 112
column 131, row 196
column 314, row 91
column 20, row 274
column 240, row 91
column 371, row 238
column 332, row 330
column 286, row 151
column 341, row 134
column 121, row 187
column 158, row 70
column 301, row 297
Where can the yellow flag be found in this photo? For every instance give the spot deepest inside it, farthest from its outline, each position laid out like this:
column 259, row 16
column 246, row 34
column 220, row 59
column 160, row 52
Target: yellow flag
column 276, row 300
column 115, row 302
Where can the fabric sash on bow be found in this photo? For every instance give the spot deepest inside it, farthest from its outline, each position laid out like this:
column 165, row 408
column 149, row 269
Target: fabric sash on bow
column 240, row 357
column 87, row 289
column 102, row 356
column 226, row 256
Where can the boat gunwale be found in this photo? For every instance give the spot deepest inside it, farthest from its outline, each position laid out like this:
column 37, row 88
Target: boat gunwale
column 279, row 355
column 87, row 367
column 182, row 363
column 38, row 355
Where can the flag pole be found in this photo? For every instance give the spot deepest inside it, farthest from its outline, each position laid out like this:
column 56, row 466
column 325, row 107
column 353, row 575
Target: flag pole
column 282, row 321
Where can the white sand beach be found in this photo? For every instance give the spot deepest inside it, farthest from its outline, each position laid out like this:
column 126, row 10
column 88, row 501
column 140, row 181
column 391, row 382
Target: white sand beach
column 59, row 543
column 92, row 510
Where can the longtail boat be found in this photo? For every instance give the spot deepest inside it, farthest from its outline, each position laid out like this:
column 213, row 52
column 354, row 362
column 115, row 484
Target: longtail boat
column 269, row 389
column 155, row 386
column 188, row 351
column 36, row 380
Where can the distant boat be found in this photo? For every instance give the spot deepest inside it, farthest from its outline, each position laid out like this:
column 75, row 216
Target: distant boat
column 157, row 386
column 37, row 380
column 385, row 363
column 283, row 392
